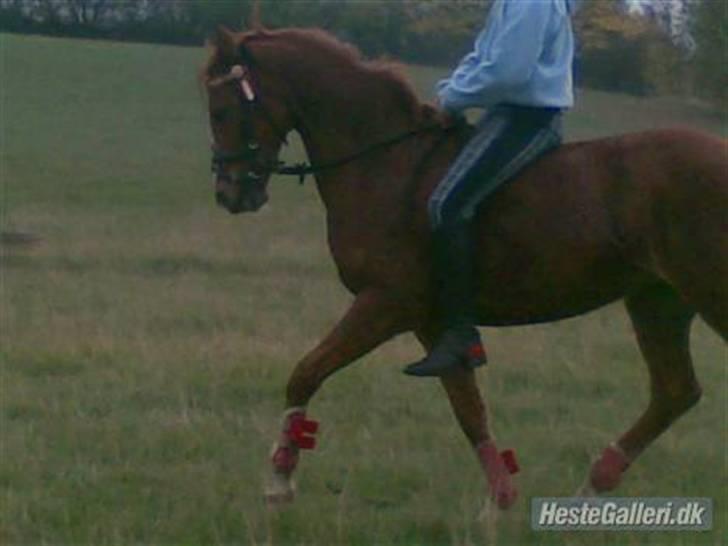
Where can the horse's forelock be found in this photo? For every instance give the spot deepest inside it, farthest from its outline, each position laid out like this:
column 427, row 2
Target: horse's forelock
column 219, row 61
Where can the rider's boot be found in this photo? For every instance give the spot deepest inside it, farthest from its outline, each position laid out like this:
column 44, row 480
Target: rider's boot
column 459, row 345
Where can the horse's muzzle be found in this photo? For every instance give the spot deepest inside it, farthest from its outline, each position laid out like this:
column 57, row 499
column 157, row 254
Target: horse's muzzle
column 247, row 195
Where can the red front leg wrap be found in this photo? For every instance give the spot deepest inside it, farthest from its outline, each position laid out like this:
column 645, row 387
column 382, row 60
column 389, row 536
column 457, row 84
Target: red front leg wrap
column 296, row 435
column 498, row 468
column 299, row 430
column 284, row 459
column 606, row 472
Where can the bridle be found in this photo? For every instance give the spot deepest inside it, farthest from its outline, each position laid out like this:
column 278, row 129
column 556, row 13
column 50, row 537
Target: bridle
column 241, row 77
column 251, row 150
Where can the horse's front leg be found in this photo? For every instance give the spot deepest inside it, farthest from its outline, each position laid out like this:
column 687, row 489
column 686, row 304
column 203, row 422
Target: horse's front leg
column 373, row 318
column 472, row 415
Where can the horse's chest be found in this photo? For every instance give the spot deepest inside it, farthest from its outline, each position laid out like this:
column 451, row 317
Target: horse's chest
column 371, row 257
column 354, row 256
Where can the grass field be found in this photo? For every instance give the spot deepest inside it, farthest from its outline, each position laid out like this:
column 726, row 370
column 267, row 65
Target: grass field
column 147, row 340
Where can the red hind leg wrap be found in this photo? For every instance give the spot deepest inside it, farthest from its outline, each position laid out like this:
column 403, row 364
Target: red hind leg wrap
column 606, row 472
column 498, row 468
column 509, row 459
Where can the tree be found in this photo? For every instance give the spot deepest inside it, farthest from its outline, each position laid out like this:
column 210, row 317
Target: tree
column 88, row 12
column 611, row 47
column 710, row 62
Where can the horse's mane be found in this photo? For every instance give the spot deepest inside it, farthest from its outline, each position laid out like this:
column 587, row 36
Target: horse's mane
column 334, row 53
column 385, row 69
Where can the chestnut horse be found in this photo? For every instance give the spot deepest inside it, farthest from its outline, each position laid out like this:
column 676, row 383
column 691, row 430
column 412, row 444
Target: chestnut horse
column 640, row 217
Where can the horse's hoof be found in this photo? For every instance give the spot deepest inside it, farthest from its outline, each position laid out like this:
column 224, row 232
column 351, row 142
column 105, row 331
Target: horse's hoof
column 280, row 491
column 586, row 490
column 606, row 472
column 276, row 499
column 505, row 496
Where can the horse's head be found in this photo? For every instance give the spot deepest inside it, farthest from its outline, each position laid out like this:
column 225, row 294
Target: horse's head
column 249, row 122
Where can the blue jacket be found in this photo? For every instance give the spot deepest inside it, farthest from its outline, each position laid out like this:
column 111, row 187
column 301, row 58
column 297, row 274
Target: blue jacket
column 523, row 56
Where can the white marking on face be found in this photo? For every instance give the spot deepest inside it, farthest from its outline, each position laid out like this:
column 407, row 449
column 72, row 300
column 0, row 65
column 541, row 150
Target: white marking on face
column 247, row 90
column 237, row 72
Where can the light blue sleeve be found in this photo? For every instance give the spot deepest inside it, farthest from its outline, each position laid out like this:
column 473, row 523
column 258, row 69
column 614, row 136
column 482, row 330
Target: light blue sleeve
column 504, row 57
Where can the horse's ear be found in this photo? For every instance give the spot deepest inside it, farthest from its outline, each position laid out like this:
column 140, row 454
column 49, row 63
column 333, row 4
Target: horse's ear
column 226, row 44
column 255, row 22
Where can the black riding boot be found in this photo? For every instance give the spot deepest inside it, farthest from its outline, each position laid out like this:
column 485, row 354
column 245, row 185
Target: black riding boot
column 459, row 344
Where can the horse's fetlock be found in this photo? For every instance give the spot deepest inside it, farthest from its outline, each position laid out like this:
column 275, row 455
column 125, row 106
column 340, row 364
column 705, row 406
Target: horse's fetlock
column 300, row 389
column 498, row 467
column 607, row 470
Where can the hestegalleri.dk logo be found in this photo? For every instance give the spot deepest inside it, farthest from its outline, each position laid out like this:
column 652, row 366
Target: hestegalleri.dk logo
column 621, row 514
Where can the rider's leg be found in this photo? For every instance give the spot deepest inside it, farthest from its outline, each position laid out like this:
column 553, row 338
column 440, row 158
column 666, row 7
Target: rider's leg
column 507, row 140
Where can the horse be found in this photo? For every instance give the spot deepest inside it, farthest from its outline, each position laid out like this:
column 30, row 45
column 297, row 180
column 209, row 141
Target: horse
column 639, row 217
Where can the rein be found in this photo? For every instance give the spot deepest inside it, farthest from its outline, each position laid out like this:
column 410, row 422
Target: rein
column 303, row 169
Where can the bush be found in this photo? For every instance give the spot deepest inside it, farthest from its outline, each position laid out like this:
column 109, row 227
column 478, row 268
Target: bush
column 616, row 51
column 709, row 66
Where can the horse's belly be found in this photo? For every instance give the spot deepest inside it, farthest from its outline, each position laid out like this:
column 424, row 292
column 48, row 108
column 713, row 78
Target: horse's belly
column 547, row 251
column 507, row 308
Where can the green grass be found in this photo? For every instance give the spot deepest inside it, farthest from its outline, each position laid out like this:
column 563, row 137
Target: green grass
column 147, row 341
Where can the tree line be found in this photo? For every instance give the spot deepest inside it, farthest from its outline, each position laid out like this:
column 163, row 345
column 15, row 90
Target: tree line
column 617, row 51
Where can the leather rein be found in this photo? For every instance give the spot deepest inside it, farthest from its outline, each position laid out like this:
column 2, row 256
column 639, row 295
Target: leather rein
column 249, row 101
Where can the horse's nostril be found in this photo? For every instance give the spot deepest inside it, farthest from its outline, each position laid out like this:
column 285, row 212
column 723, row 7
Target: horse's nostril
column 221, row 183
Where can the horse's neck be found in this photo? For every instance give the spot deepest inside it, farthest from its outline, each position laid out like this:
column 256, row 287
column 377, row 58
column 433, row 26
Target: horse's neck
column 341, row 126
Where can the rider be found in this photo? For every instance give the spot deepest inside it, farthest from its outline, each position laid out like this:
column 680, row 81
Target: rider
column 521, row 70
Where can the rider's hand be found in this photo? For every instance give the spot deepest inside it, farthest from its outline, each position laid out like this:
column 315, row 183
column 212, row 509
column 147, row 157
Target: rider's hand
column 449, row 118
column 452, row 119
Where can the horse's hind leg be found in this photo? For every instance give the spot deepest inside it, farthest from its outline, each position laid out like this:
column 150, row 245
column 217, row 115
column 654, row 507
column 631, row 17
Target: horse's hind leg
column 662, row 324
column 710, row 299
column 471, row 413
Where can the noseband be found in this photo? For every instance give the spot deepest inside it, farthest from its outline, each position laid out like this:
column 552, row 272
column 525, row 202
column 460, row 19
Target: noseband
column 241, row 77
